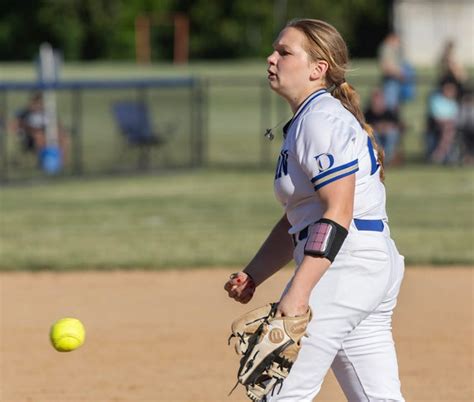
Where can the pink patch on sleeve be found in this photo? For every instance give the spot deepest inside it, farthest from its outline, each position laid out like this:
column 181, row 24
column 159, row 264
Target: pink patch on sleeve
column 319, row 234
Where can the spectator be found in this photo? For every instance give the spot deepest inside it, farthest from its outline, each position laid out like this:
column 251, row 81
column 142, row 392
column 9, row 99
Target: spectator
column 386, row 125
column 450, row 70
column 391, row 65
column 466, row 126
column 30, row 124
column 443, row 112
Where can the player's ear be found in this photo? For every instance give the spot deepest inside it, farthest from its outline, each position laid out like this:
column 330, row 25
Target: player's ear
column 319, row 68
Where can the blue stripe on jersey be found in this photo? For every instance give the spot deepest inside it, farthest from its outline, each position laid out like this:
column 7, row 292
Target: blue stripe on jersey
column 373, row 160
column 330, row 179
column 334, row 170
column 374, row 225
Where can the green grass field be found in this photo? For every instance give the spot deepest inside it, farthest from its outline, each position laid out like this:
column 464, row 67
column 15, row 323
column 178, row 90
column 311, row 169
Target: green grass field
column 209, row 218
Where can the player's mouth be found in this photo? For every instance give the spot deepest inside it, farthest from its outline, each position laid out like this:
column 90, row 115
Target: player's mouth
column 271, row 76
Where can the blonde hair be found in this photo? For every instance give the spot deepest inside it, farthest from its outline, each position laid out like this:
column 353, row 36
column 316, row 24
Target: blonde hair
column 324, row 42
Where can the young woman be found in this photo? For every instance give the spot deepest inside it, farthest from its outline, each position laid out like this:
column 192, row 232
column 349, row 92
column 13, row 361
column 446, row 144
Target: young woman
column 329, row 179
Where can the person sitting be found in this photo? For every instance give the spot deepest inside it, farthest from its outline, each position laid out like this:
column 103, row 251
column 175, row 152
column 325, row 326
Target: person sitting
column 449, row 69
column 443, row 111
column 30, row 124
column 466, row 126
column 386, row 125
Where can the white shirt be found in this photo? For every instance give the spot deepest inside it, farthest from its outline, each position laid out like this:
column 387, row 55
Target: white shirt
column 324, row 142
column 37, row 119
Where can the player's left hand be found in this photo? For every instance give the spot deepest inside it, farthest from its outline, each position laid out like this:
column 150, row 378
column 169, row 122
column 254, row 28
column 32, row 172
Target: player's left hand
column 292, row 305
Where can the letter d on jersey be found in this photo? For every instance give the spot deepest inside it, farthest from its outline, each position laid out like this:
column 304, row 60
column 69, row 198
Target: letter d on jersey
column 325, row 161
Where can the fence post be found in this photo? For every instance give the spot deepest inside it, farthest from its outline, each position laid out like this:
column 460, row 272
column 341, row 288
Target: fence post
column 197, row 105
column 204, row 111
column 77, row 132
column 192, row 128
column 265, row 122
column 144, row 151
column 3, row 137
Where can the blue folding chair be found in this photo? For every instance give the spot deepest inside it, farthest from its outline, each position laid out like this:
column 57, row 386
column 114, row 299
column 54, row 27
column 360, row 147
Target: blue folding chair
column 135, row 125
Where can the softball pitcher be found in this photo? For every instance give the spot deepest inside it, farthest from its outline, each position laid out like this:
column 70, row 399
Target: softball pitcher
column 329, row 179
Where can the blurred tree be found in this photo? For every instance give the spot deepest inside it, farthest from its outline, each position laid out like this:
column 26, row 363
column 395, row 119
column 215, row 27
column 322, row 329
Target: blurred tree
column 230, row 29
column 362, row 23
column 123, row 45
column 19, row 26
column 247, row 28
column 105, row 29
column 82, row 29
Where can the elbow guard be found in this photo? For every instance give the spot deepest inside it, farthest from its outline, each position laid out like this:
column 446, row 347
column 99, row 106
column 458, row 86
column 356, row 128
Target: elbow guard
column 325, row 239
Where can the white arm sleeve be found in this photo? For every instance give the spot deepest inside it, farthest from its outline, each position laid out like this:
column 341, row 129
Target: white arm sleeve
column 325, row 148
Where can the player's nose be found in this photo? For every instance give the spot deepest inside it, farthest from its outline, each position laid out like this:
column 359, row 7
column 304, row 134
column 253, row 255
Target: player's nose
column 271, row 59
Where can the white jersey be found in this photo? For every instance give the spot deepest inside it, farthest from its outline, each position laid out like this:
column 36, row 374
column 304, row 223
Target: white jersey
column 323, row 143
column 352, row 303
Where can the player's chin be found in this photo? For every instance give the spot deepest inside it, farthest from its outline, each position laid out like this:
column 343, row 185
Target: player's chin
column 273, row 83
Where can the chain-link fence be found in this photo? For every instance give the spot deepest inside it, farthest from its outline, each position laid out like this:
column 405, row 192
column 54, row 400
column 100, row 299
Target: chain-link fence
column 217, row 122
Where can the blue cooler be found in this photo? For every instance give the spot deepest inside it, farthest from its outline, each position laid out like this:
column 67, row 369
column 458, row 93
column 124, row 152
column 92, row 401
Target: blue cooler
column 51, row 160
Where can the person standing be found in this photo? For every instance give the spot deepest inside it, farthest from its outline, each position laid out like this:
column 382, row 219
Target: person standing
column 450, row 70
column 392, row 67
column 329, row 180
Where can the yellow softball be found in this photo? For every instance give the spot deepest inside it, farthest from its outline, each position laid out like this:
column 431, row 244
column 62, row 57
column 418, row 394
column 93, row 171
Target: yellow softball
column 67, row 334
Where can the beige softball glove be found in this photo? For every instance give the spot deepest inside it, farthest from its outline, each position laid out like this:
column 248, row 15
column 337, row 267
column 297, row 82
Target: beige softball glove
column 268, row 345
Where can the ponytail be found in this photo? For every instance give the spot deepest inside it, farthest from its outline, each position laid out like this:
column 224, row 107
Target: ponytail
column 324, row 42
column 350, row 99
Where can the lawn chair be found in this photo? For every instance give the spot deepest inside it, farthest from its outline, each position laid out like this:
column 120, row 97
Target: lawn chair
column 134, row 123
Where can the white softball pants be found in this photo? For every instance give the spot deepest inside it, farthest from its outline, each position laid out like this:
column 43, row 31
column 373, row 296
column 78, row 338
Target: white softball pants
column 351, row 327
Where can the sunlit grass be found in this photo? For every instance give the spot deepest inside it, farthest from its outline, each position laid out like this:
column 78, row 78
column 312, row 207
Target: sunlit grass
column 209, row 218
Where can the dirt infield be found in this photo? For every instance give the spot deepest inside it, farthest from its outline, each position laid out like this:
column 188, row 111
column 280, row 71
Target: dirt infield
column 163, row 336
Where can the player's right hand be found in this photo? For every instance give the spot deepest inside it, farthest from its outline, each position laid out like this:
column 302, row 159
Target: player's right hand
column 240, row 287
